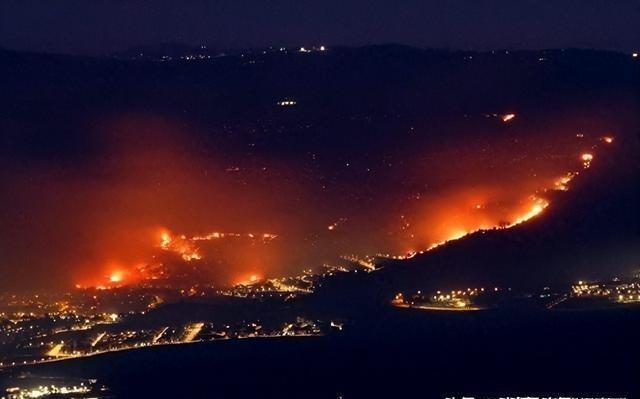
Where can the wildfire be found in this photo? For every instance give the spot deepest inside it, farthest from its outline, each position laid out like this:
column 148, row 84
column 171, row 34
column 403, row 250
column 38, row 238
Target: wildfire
column 165, row 240
column 210, row 236
column 562, row 183
column 218, row 235
column 457, row 235
column 539, row 205
column 249, row 280
column 186, row 246
column 434, row 217
column 179, row 245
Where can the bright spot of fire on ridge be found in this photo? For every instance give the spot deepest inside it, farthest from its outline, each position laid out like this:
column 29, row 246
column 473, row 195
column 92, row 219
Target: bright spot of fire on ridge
column 562, row 183
column 115, row 277
column 457, row 235
column 586, row 159
column 180, row 245
column 249, row 280
column 165, row 240
column 537, row 208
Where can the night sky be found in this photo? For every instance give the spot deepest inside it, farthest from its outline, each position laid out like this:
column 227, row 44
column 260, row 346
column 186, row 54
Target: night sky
column 99, row 26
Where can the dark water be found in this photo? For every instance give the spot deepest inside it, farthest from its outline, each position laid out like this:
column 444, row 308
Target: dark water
column 401, row 353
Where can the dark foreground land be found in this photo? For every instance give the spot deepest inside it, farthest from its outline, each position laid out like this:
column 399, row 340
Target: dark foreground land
column 400, row 353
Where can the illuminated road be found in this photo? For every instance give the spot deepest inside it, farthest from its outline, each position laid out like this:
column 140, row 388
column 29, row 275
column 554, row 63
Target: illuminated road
column 439, row 308
column 557, row 302
column 362, row 262
column 193, row 331
column 63, row 357
column 98, row 339
column 56, row 351
column 159, row 335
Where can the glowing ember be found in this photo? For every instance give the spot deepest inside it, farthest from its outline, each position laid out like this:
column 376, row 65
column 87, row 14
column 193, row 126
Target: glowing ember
column 507, row 117
column 562, row 183
column 335, row 224
column 607, row 139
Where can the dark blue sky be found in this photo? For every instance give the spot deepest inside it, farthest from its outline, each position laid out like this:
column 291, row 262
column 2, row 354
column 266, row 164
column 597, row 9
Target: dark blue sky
column 99, row 26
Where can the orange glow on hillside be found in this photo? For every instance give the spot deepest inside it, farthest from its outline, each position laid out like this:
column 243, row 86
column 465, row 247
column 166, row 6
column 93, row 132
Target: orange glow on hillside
column 179, row 245
column 272, row 218
column 249, row 279
column 165, row 240
column 535, row 209
column 115, row 277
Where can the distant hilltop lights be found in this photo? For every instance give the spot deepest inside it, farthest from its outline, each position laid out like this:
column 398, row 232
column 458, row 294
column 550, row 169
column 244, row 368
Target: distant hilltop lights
column 287, row 103
column 311, row 49
column 505, row 118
